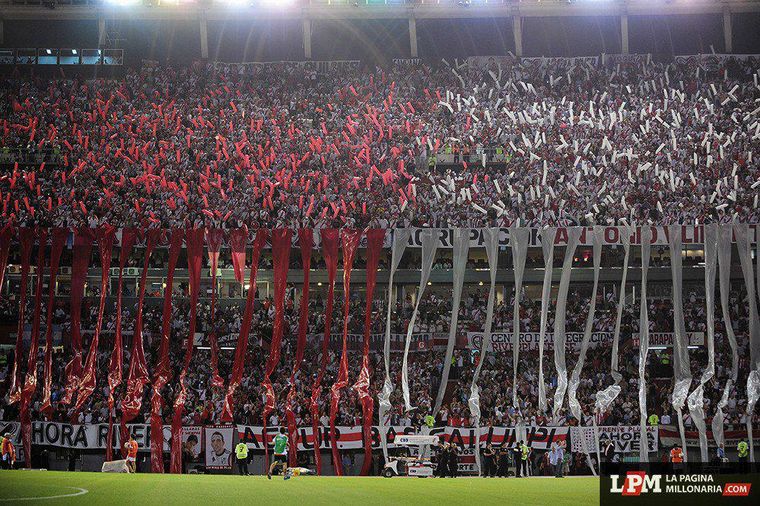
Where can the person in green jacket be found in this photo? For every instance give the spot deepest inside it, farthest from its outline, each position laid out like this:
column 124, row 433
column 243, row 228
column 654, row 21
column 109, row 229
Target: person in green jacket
column 280, row 454
column 743, row 450
column 241, row 452
column 429, row 421
column 524, row 451
column 653, row 420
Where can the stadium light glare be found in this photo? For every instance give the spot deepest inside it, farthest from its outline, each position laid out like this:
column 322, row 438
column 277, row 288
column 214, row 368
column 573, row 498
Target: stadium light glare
column 276, row 4
column 122, row 3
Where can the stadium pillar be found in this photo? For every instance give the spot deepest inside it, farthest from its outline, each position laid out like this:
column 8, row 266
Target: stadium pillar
column 413, row 37
column 1, row 32
column 307, row 39
column 728, row 32
column 101, row 32
column 517, row 31
column 204, row 38
column 624, row 33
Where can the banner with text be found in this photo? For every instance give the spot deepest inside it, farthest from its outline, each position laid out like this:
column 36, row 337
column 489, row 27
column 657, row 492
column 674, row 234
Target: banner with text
column 627, row 438
column 501, row 342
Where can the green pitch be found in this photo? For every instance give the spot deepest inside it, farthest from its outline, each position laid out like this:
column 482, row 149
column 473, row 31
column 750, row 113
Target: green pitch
column 48, row 487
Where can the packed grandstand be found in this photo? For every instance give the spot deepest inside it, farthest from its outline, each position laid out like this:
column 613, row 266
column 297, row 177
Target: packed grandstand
column 317, row 168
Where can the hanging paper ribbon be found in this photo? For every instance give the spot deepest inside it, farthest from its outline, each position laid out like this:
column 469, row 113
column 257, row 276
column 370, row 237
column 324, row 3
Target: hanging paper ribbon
column 560, row 338
column 696, row 398
column 214, row 238
column 375, row 239
column 26, row 238
column 162, row 372
column 306, row 243
column 194, row 241
column 429, row 240
column 547, row 244
column 605, row 398
column 128, row 239
column 281, row 240
column 741, row 232
column 724, row 277
column 350, row 242
column 238, row 239
column 646, row 239
column 241, row 349
column 6, row 236
column 518, row 239
column 461, row 245
column 83, row 239
column 575, row 378
column 138, row 367
column 400, row 240
column 30, row 383
column 681, row 365
column 329, row 239
column 491, row 238
column 59, row 239
column 105, row 237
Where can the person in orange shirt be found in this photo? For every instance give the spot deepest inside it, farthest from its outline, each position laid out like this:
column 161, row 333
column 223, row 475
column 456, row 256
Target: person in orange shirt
column 132, row 447
column 676, row 458
column 8, row 452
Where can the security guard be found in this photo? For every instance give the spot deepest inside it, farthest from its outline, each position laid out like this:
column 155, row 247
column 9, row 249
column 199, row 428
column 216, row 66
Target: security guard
column 241, row 453
column 743, row 450
column 524, row 450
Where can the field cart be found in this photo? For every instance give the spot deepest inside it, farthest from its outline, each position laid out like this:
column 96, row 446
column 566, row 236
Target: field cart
column 419, row 465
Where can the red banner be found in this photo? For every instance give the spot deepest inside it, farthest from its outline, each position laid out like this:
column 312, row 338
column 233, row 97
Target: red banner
column 214, row 238
column 329, row 238
column 30, row 383
column 138, row 367
column 26, row 237
column 194, row 240
column 59, row 239
column 162, row 372
column 83, row 239
column 128, row 239
column 242, row 343
column 238, row 239
column 375, row 238
column 281, row 239
column 306, row 243
column 105, row 235
column 350, row 243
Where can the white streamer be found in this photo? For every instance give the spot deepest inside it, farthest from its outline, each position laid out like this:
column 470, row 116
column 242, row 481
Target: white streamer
column 429, row 239
column 518, row 238
column 547, row 244
column 646, row 239
column 461, row 246
column 400, row 240
column 491, row 236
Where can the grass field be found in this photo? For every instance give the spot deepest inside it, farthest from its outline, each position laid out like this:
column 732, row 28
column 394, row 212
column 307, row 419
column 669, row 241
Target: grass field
column 46, row 487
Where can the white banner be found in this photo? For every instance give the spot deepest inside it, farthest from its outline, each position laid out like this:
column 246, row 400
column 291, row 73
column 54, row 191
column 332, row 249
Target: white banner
column 627, row 438
column 219, row 441
column 501, row 342
column 668, row 338
column 538, row 438
column 82, row 437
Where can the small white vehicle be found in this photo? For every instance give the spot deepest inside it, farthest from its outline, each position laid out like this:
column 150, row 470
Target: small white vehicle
column 420, row 465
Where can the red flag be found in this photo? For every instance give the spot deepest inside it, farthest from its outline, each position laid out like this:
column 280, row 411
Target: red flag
column 59, row 238
column 26, row 238
column 214, row 238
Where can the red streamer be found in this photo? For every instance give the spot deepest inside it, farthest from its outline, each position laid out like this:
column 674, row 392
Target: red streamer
column 194, row 240
column 350, row 243
column 162, row 372
column 83, row 239
column 6, row 236
column 242, row 343
column 281, row 239
column 375, row 239
column 59, row 239
column 306, row 242
column 26, row 237
column 330, row 254
column 128, row 239
column 238, row 239
column 214, row 238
